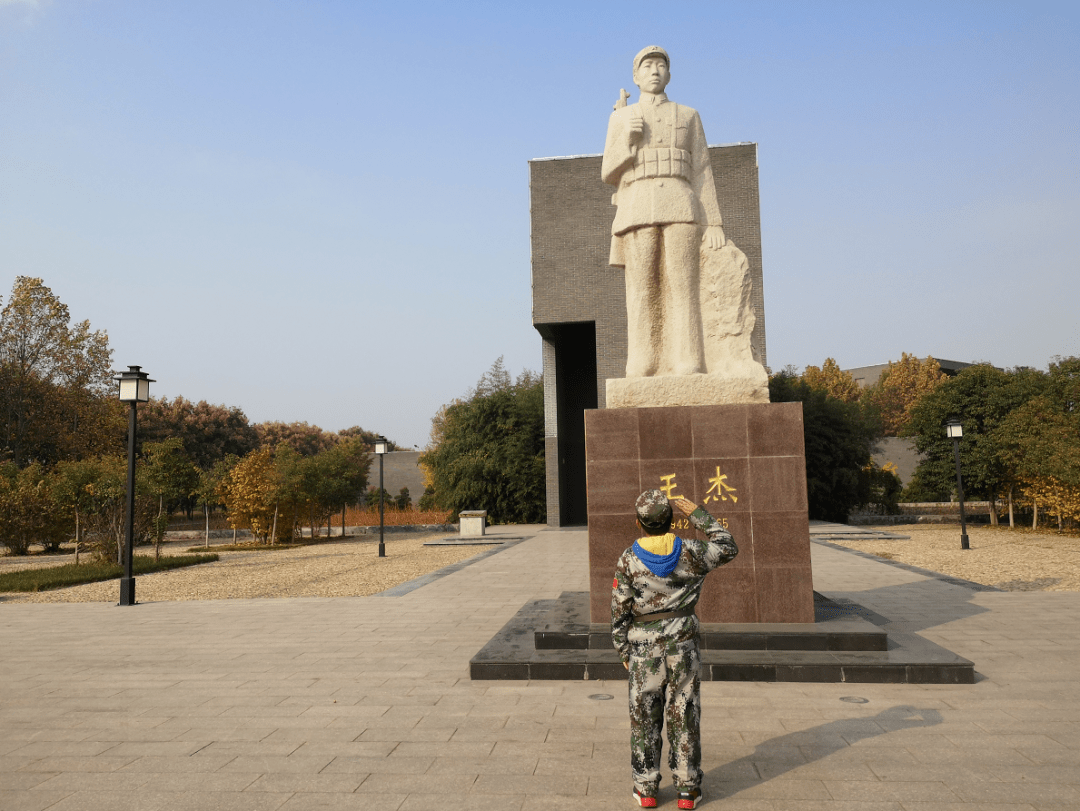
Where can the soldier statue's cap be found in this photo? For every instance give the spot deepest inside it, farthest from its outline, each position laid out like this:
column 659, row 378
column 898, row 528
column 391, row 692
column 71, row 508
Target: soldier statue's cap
column 653, row 509
column 652, row 50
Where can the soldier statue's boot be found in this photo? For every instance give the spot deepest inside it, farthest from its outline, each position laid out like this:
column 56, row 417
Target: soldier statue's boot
column 689, row 798
column 645, row 800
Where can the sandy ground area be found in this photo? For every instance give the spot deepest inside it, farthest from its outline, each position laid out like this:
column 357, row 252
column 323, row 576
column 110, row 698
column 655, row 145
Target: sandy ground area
column 1011, row 560
column 348, row 568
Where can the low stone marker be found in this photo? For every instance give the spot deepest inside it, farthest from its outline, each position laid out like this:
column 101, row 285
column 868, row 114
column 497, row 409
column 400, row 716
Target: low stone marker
column 473, row 523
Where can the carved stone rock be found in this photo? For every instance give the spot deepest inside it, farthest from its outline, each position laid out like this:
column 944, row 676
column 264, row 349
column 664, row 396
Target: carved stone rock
column 733, row 373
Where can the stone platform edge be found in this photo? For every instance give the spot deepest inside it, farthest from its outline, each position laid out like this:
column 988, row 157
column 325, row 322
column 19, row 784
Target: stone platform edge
column 910, row 659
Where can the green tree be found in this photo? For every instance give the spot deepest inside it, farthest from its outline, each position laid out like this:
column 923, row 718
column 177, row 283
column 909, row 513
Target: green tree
column 317, row 486
column 981, row 397
column 71, row 489
column 291, row 499
column 106, row 512
column 371, row 499
column 171, row 478
column 1039, row 443
column 487, row 450
column 838, row 438
column 55, row 381
column 208, row 491
column 343, row 473
column 403, row 501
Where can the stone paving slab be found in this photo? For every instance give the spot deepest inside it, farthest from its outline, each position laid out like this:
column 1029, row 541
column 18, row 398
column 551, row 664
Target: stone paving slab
column 351, row 703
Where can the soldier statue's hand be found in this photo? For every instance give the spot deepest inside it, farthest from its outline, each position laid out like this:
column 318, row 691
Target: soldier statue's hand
column 714, row 237
column 635, row 130
column 685, row 505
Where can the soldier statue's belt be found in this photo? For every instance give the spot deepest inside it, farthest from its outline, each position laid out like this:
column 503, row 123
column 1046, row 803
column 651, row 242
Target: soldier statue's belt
column 668, row 162
column 664, row 615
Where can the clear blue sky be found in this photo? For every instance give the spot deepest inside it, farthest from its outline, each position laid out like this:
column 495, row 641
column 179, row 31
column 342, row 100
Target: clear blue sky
column 319, row 211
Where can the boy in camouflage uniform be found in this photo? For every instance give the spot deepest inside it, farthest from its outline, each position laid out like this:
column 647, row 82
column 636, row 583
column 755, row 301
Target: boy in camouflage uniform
column 657, row 584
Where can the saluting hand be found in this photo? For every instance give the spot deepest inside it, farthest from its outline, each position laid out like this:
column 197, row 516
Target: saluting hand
column 685, row 505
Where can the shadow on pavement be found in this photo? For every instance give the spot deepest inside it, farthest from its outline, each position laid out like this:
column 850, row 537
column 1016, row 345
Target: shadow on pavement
column 777, row 756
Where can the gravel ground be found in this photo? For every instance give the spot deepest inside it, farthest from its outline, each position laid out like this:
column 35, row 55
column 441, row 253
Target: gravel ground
column 349, row 568
column 1012, row 560
column 1009, row 559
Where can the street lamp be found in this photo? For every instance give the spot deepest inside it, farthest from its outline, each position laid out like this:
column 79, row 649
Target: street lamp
column 380, row 451
column 954, row 430
column 134, row 389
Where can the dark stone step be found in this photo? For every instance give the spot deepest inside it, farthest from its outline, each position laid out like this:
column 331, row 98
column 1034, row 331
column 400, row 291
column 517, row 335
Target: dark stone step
column 514, row 653
column 836, row 628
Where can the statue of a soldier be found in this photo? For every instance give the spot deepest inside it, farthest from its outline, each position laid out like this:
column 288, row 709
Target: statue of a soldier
column 657, row 158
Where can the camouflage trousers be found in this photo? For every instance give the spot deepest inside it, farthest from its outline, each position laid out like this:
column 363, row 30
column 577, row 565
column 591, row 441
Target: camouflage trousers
column 665, row 690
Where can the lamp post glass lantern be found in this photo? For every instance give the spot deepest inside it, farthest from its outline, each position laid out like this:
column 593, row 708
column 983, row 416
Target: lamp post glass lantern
column 380, row 451
column 954, row 430
column 133, row 388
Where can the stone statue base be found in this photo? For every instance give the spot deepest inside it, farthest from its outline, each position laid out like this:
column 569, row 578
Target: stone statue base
column 751, row 386
column 745, row 464
column 733, row 372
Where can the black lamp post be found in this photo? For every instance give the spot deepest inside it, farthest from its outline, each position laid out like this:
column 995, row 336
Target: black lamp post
column 134, row 389
column 954, row 430
column 380, row 451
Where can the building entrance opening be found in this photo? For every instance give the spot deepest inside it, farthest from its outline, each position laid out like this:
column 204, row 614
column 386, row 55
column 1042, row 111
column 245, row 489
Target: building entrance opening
column 575, row 376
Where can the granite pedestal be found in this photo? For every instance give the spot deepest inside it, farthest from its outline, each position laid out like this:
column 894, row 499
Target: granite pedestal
column 745, row 464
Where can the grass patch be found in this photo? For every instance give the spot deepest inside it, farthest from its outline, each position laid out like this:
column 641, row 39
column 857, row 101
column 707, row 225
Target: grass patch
column 71, row 574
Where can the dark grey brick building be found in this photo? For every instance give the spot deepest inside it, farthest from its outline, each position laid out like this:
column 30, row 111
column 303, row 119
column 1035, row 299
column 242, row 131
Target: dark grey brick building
column 579, row 301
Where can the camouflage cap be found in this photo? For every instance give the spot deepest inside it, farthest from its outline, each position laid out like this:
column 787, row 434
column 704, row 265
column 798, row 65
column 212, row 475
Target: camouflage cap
column 653, row 509
column 652, row 50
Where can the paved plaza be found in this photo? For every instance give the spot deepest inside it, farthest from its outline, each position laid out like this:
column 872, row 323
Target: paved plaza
column 365, row 702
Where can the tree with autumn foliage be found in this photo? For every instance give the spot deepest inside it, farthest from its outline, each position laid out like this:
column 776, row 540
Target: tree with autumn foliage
column 306, row 440
column 250, row 493
column 369, row 437
column 209, row 433
column 29, row 512
column 900, row 387
column 55, row 382
column 106, row 507
column 832, row 380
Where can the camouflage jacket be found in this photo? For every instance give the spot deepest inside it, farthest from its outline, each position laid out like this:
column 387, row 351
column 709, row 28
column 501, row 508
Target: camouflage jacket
column 636, row 590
